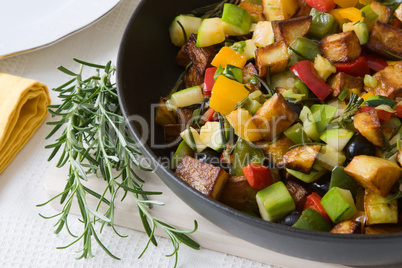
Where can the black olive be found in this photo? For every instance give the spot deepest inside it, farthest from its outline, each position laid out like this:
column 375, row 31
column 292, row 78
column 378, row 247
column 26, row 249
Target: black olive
column 291, row 219
column 321, row 186
column 358, row 145
column 213, row 158
column 296, row 108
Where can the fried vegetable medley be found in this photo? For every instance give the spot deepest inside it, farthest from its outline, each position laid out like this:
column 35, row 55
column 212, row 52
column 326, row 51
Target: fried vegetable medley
column 290, row 110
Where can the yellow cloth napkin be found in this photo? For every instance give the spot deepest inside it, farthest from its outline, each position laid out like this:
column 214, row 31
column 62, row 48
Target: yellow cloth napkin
column 22, row 110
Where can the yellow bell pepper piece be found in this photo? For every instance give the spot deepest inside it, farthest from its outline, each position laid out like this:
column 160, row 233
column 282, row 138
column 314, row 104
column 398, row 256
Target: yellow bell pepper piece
column 243, row 126
column 365, row 2
column 225, row 94
column 368, row 94
column 390, row 62
column 230, row 56
column 346, row 3
column 351, row 13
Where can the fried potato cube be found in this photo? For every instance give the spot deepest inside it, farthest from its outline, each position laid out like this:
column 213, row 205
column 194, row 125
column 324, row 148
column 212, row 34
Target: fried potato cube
column 274, row 151
column 301, row 158
column 200, row 56
column 253, row 9
column 383, row 229
column 389, row 81
column 347, row 227
column 374, row 173
column 341, row 47
column 384, row 13
column 398, row 12
column 275, row 55
column 274, row 116
column 378, row 210
column 239, row 195
column 298, row 192
column 385, row 37
column 341, row 80
column 289, row 30
column 369, row 125
column 204, row 177
column 164, row 116
column 279, row 9
column 193, row 77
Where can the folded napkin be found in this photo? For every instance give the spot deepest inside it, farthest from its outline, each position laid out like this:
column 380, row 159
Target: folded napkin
column 22, row 110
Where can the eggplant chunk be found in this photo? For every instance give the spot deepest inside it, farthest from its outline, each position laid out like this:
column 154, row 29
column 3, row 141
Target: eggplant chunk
column 389, row 81
column 368, row 124
column 192, row 77
column 172, row 132
column 274, row 116
column 164, row 116
column 239, row 195
column 301, row 158
column 204, row 177
column 379, row 211
column 347, row 227
column 182, row 58
column 341, row 47
column 289, row 30
column 374, row 173
column 275, row 55
column 298, row 193
column 385, row 37
column 341, row 80
column 274, row 151
column 200, row 56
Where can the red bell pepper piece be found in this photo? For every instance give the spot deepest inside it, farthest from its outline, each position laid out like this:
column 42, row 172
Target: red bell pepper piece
column 314, row 202
column 322, row 5
column 208, row 115
column 259, row 177
column 209, row 80
column 384, row 116
column 398, row 109
column 306, row 72
column 375, row 62
column 357, row 67
column 396, row 23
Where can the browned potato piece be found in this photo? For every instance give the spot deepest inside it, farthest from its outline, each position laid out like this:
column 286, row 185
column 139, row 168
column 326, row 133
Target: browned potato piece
column 377, row 210
column 182, row 58
column 398, row 12
column 301, row 158
column 192, row 77
column 298, row 193
column 389, row 81
column 341, row 47
column 288, row 30
column 204, row 177
column 368, row 124
column 399, row 157
column 184, row 115
column 304, row 9
column 385, row 37
column 239, row 195
column 274, row 116
column 200, row 56
column 274, row 151
column 384, row 12
column 341, row 80
column 275, row 55
column 248, row 72
column 279, row 9
column 164, row 116
column 347, row 227
column 374, row 173
column 383, row 229
column 253, row 9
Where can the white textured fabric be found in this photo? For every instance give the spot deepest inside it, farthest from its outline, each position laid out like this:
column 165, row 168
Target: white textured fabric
column 27, row 240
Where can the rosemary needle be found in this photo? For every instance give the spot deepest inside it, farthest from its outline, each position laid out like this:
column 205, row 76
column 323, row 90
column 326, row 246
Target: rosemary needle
column 94, row 139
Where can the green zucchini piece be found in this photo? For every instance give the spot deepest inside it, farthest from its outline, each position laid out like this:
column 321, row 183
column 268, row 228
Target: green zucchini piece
column 316, row 173
column 377, row 100
column 312, row 220
column 337, row 137
column 192, row 138
column 236, row 20
column 233, row 72
column 341, row 179
column 210, row 32
column 182, row 150
column 211, row 135
column 186, row 97
column 309, row 124
column 297, row 134
column 322, row 114
column 339, row 204
column 190, row 25
column 360, row 28
column 275, row 202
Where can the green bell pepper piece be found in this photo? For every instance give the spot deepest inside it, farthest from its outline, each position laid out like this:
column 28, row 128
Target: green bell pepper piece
column 312, row 220
column 341, row 179
column 322, row 24
column 305, row 48
column 297, row 134
column 244, row 154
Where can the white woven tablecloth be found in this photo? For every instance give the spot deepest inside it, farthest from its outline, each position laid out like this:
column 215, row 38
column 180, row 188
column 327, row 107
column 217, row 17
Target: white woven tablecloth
column 27, row 240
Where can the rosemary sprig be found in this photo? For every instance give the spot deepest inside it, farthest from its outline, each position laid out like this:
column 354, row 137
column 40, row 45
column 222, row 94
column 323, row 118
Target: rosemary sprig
column 95, row 140
column 350, row 110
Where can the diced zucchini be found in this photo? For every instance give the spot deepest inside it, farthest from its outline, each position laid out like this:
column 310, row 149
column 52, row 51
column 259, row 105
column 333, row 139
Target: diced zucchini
column 182, row 150
column 193, row 139
column 329, row 157
column 212, row 136
column 337, row 137
column 247, row 48
column 312, row 220
column 309, row 124
column 297, row 134
column 275, row 202
column 186, row 97
column 341, row 179
column 339, row 204
column 377, row 100
column 210, row 32
column 190, row 25
column 316, row 173
column 322, row 114
column 236, row 20
column 360, row 28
